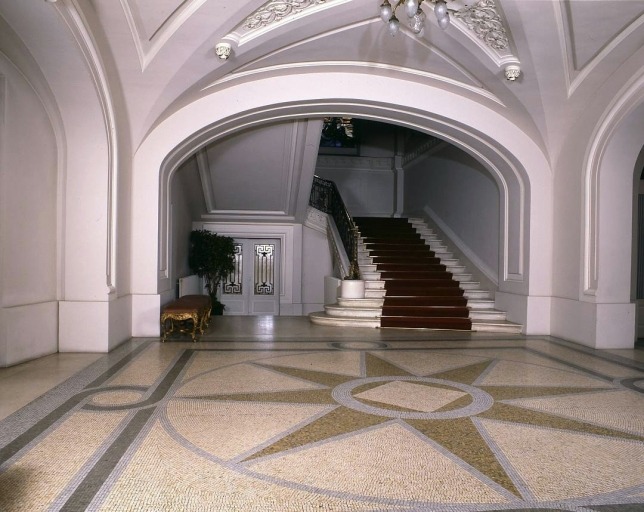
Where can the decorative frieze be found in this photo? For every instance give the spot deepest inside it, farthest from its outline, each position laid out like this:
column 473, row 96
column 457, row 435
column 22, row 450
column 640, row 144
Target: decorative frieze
column 484, row 20
column 276, row 10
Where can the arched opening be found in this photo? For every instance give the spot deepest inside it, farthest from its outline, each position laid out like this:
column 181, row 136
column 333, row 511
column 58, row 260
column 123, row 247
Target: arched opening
column 608, row 258
column 638, row 246
column 512, row 158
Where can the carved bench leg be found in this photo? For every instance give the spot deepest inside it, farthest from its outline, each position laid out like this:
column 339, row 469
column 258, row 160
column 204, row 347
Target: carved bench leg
column 195, row 326
column 164, row 328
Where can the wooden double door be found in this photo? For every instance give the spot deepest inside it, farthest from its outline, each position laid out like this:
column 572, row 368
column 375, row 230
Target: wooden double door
column 253, row 287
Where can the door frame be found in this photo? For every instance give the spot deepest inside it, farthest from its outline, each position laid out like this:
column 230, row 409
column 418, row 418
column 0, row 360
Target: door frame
column 246, row 302
column 290, row 236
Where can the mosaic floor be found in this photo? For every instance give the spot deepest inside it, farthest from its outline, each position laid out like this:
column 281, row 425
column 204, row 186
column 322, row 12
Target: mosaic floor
column 321, row 425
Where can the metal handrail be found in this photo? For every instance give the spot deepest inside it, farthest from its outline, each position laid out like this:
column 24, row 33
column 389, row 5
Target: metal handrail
column 326, row 197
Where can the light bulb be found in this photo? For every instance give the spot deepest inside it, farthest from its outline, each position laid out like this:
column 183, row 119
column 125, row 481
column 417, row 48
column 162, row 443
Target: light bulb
column 440, row 9
column 394, row 25
column 411, row 6
column 444, row 21
column 385, row 11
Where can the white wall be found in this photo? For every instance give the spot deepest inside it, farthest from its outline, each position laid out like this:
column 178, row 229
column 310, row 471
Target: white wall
column 456, row 188
column 365, row 191
column 186, row 206
column 253, row 170
column 316, row 265
column 365, row 181
column 28, row 228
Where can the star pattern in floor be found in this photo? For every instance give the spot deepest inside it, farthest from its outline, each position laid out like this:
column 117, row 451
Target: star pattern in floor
column 409, row 425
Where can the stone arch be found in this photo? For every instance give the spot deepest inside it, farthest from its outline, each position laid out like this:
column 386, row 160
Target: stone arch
column 609, row 179
column 516, row 162
column 618, row 137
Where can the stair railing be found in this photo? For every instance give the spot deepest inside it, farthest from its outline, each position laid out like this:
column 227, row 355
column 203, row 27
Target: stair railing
column 326, row 197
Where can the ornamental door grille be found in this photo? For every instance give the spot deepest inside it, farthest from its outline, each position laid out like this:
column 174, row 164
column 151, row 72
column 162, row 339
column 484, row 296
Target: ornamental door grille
column 252, row 288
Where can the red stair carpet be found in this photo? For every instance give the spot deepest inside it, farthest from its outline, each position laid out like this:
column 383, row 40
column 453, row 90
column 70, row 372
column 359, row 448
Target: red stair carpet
column 419, row 291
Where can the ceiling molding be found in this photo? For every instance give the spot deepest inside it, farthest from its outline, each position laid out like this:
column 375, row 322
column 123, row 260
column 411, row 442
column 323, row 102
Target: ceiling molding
column 148, row 47
column 422, row 76
column 575, row 74
column 277, row 13
column 481, row 23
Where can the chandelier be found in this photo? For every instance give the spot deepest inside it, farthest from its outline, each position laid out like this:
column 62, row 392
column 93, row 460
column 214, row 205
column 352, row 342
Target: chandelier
column 415, row 14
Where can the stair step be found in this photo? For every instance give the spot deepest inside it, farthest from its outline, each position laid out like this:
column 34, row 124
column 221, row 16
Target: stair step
column 374, row 294
column 480, row 303
column 412, row 238
column 411, row 267
column 360, row 303
column 370, row 276
column 401, row 260
column 411, row 274
column 457, row 301
column 461, row 324
column 477, row 294
column 496, row 326
column 421, row 284
column 426, row 311
column 320, row 318
column 451, row 291
column 487, row 314
column 407, row 250
column 335, row 310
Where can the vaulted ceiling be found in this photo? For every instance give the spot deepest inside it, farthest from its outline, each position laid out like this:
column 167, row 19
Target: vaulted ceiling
column 164, row 50
column 161, row 54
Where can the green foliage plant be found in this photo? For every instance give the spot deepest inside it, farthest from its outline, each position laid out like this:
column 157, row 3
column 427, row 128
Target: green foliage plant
column 211, row 257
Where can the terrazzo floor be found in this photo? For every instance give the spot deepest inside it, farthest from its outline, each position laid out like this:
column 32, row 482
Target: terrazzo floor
column 273, row 414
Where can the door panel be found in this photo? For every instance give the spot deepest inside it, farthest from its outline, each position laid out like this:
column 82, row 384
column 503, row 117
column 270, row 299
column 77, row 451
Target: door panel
column 253, row 287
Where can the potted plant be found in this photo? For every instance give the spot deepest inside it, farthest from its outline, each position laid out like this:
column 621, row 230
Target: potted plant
column 352, row 286
column 211, row 257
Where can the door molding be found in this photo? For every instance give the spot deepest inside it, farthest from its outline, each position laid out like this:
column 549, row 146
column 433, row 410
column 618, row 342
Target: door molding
column 290, row 237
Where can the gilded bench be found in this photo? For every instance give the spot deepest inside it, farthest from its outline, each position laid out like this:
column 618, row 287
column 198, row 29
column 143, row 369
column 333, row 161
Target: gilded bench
column 188, row 314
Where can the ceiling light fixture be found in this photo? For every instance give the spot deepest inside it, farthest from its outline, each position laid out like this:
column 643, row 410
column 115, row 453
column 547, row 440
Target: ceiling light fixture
column 415, row 14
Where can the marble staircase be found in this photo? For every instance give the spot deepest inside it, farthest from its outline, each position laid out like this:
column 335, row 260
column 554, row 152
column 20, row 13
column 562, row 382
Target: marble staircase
column 367, row 311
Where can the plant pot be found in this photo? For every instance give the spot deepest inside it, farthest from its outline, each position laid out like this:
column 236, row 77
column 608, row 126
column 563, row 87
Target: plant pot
column 352, row 289
column 217, row 309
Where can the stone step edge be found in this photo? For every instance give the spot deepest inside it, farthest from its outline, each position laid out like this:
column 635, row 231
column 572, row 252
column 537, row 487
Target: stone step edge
column 496, row 326
column 337, row 311
column 320, row 318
